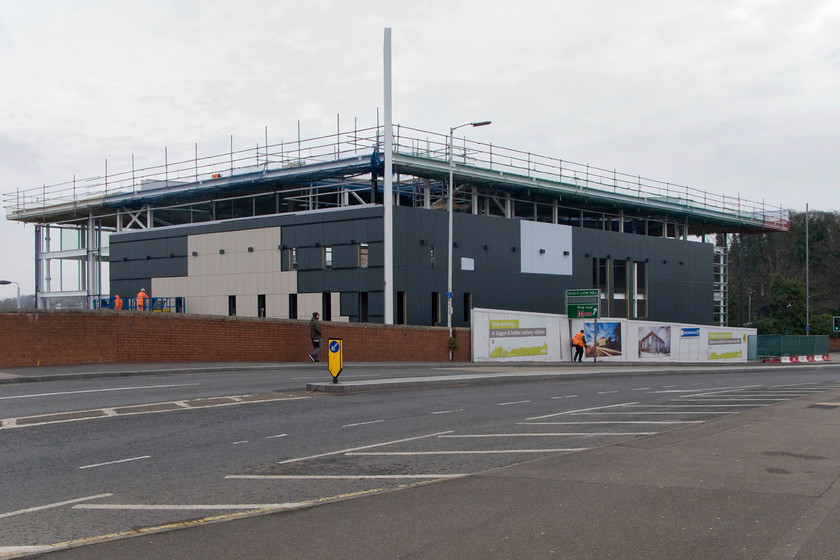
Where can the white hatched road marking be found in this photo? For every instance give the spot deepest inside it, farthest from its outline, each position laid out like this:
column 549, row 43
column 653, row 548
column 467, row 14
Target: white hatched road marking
column 468, row 452
column 346, row 451
column 54, row 505
column 552, row 434
column 362, row 423
column 580, row 410
column 116, row 462
column 56, row 394
column 342, row 476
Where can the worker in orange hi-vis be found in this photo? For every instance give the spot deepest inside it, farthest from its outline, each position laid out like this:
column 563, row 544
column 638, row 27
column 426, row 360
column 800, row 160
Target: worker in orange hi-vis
column 142, row 297
column 118, row 302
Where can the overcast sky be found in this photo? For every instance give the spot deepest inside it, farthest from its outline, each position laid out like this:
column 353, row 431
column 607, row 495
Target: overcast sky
column 729, row 96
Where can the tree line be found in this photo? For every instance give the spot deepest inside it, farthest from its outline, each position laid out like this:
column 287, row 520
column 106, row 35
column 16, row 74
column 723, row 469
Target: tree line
column 769, row 280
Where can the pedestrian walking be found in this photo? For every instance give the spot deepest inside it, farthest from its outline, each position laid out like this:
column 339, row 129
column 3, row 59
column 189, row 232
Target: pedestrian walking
column 315, row 336
column 579, row 342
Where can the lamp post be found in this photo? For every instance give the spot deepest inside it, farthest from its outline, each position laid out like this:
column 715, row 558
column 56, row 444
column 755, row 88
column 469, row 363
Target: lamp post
column 7, row 282
column 449, row 212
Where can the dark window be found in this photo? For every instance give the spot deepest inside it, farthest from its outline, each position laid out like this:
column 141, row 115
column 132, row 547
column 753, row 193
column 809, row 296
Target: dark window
column 293, row 308
column 435, row 308
column 467, row 307
column 326, row 305
column 401, row 307
column 232, row 305
column 363, row 307
column 261, row 305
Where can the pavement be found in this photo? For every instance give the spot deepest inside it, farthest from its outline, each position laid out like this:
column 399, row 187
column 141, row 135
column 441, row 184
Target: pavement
column 760, row 484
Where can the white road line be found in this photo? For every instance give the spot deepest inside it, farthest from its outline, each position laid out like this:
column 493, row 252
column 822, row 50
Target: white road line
column 346, row 451
column 115, row 462
column 642, row 389
column 54, row 505
column 181, row 507
column 362, row 423
column 240, row 442
column 448, row 411
column 707, row 412
column 566, row 397
column 701, row 405
column 341, row 476
column 730, row 399
column 277, row 436
column 480, row 452
column 554, row 434
column 512, row 402
column 579, row 410
column 610, row 422
column 4, row 550
column 607, row 392
column 98, row 391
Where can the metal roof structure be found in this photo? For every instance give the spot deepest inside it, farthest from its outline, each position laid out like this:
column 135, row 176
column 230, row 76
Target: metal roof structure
column 344, row 169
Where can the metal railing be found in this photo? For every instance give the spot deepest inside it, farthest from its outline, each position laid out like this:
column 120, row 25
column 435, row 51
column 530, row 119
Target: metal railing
column 407, row 141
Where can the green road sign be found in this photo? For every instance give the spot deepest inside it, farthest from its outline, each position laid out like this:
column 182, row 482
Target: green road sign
column 582, row 310
column 583, row 293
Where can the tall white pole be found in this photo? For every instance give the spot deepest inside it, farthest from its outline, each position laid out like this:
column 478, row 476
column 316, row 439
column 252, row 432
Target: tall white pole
column 807, row 279
column 388, row 198
column 449, row 294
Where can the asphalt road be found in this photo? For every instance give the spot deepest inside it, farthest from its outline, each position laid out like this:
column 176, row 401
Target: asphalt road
column 164, row 450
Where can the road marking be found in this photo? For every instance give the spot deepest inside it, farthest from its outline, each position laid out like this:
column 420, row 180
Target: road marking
column 187, row 507
column 707, row 412
column 448, row 411
column 54, row 505
column 147, row 408
column 479, row 452
column 553, row 434
column 240, row 442
column 606, row 392
column 277, row 436
column 566, row 397
column 4, row 550
column 512, row 402
column 341, row 476
column 580, row 410
column 610, row 422
column 362, row 423
column 116, row 462
column 97, row 391
column 346, row 451
column 642, row 389
column 701, row 405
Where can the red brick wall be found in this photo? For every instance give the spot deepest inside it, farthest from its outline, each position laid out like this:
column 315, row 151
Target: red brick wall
column 105, row 336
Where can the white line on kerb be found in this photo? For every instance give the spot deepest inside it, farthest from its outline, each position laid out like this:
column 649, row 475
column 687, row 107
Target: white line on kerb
column 362, row 423
column 581, row 410
column 55, row 505
column 318, row 456
column 115, row 462
column 340, row 476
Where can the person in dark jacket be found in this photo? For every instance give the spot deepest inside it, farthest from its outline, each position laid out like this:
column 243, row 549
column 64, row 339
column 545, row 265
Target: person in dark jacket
column 315, row 336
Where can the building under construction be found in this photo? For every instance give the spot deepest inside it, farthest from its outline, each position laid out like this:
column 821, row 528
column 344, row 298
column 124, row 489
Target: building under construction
column 286, row 229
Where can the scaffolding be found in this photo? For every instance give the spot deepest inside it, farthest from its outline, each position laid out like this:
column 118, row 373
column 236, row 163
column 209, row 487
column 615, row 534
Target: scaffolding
column 73, row 219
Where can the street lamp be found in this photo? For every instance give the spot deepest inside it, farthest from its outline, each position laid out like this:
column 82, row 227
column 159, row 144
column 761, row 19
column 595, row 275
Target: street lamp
column 7, row 282
column 449, row 212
